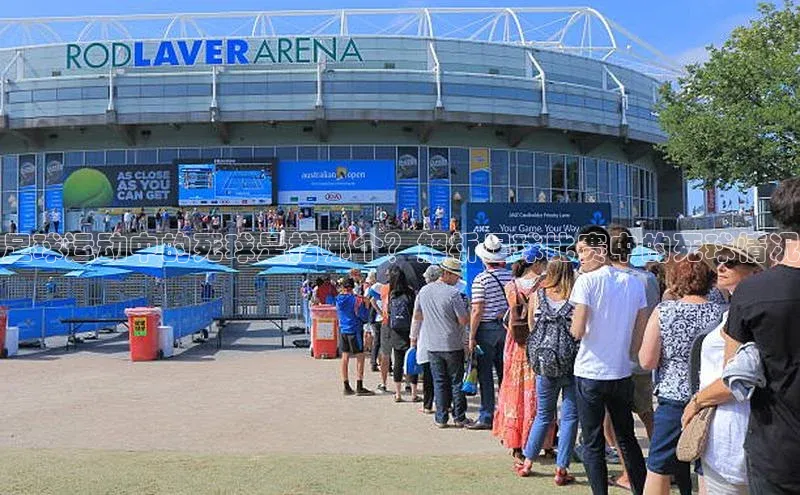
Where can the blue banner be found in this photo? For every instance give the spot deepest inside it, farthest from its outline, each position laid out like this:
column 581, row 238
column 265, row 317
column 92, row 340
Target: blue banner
column 520, row 224
column 439, row 187
column 408, row 180
column 187, row 320
column 336, row 182
column 27, row 209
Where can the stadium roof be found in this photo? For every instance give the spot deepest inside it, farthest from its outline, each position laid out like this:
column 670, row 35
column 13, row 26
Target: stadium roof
column 581, row 31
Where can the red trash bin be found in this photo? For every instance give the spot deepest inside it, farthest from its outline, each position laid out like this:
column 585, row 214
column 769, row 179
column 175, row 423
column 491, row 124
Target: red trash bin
column 3, row 326
column 324, row 331
column 143, row 326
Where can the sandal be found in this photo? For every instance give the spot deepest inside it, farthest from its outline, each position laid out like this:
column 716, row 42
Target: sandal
column 398, row 399
column 614, row 481
column 562, row 477
column 523, row 470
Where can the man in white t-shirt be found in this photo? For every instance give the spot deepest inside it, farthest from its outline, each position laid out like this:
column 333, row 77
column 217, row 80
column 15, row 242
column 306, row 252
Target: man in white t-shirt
column 609, row 320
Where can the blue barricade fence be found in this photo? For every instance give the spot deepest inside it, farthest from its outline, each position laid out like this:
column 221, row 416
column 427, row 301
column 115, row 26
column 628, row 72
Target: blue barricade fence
column 25, row 302
column 31, row 320
column 187, row 320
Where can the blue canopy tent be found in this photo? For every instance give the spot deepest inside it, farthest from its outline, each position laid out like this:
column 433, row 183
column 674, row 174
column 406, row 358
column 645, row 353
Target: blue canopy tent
column 642, row 255
column 94, row 271
column 38, row 258
column 325, row 261
column 293, row 270
column 165, row 261
column 424, row 253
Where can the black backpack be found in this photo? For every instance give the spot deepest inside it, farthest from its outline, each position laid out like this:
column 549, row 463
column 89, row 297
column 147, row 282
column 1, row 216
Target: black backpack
column 551, row 349
column 400, row 312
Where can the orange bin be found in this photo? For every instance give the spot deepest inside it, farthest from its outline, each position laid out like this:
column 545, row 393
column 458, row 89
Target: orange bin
column 324, row 331
column 3, row 326
column 143, row 326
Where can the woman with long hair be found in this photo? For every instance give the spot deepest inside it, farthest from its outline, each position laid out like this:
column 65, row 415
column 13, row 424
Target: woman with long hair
column 516, row 404
column 550, row 303
column 666, row 347
column 401, row 309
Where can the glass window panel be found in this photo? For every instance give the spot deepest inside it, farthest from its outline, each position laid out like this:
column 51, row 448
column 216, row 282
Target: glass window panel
column 574, row 197
column 95, row 158
column 69, row 93
column 44, row 95
column 363, row 152
column 573, row 172
column 73, row 158
column 459, row 166
column 288, row 153
column 423, row 170
column 602, row 176
column 146, row 157
column 173, row 90
column 612, row 178
column 512, row 170
column 636, row 182
column 307, row 153
column 152, row 91
column 167, row 155
column 575, row 100
column 340, row 152
column 268, row 152
column 10, row 178
column 198, row 90
column 557, row 172
column 590, row 174
column 231, row 89
column 189, row 153
column 127, row 91
column 500, row 194
column 210, row 153
column 542, row 195
column 542, row 175
column 499, row 164
column 385, row 153
column 525, row 169
column 94, row 92
column 19, row 97
column 242, row 152
column 526, row 195
column 622, row 170
column 115, row 157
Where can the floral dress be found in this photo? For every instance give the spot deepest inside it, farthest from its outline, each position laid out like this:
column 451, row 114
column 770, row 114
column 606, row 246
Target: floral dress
column 516, row 404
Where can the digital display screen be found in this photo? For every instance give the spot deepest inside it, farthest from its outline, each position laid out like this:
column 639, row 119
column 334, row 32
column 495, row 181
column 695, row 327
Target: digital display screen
column 226, row 182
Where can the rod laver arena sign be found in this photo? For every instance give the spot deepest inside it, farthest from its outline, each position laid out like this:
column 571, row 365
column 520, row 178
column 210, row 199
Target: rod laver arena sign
column 299, row 50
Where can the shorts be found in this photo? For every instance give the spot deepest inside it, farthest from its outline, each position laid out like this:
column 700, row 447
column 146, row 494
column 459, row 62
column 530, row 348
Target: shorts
column 642, row 393
column 386, row 340
column 351, row 343
column 666, row 432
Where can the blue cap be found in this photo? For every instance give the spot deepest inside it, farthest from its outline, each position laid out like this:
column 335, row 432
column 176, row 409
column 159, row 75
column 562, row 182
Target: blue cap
column 533, row 253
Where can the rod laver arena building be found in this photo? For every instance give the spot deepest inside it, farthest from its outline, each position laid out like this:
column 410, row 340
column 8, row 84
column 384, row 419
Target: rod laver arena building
column 350, row 109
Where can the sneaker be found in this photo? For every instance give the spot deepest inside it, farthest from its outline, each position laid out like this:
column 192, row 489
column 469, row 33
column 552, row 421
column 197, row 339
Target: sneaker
column 464, row 423
column 479, row 425
column 381, row 388
column 440, row 425
column 349, row 391
column 363, row 392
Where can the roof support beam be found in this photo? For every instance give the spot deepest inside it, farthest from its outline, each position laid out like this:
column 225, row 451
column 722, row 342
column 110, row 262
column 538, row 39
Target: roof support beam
column 586, row 143
column 321, row 128
column 127, row 133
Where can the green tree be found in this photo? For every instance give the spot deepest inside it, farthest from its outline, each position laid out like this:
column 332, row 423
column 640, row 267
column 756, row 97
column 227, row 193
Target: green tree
column 735, row 119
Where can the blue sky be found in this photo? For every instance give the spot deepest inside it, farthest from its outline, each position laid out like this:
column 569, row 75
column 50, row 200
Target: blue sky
column 679, row 28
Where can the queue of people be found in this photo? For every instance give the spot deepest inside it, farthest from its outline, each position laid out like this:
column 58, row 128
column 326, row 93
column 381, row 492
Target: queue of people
column 710, row 338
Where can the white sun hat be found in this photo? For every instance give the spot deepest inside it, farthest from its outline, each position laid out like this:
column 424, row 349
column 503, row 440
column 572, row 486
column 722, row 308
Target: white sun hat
column 491, row 250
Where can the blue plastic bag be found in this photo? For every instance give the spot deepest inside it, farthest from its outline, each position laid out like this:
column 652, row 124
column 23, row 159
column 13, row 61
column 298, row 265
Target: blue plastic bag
column 470, row 385
column 412, row 368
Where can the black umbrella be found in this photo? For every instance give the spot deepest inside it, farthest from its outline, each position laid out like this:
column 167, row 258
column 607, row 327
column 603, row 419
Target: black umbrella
column 413, row 268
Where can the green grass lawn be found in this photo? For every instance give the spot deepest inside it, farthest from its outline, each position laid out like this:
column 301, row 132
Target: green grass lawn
column 29, row 471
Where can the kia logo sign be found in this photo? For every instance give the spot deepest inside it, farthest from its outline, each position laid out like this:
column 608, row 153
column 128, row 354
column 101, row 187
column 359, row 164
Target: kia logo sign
column 333, row 197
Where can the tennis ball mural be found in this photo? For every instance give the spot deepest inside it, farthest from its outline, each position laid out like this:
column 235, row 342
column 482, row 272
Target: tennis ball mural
column 87, row 188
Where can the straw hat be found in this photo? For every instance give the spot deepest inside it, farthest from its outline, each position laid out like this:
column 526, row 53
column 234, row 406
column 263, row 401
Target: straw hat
column 451, row 265
column 746, row 248
column 491, row 250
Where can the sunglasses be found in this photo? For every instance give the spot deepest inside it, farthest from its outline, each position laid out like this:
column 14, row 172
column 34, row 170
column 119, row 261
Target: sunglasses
column 731, row 262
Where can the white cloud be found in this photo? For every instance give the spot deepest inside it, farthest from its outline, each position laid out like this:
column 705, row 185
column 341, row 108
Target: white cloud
column 696, row 55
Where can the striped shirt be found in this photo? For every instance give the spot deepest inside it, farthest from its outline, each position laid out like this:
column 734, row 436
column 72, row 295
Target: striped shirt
column 487, row 290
